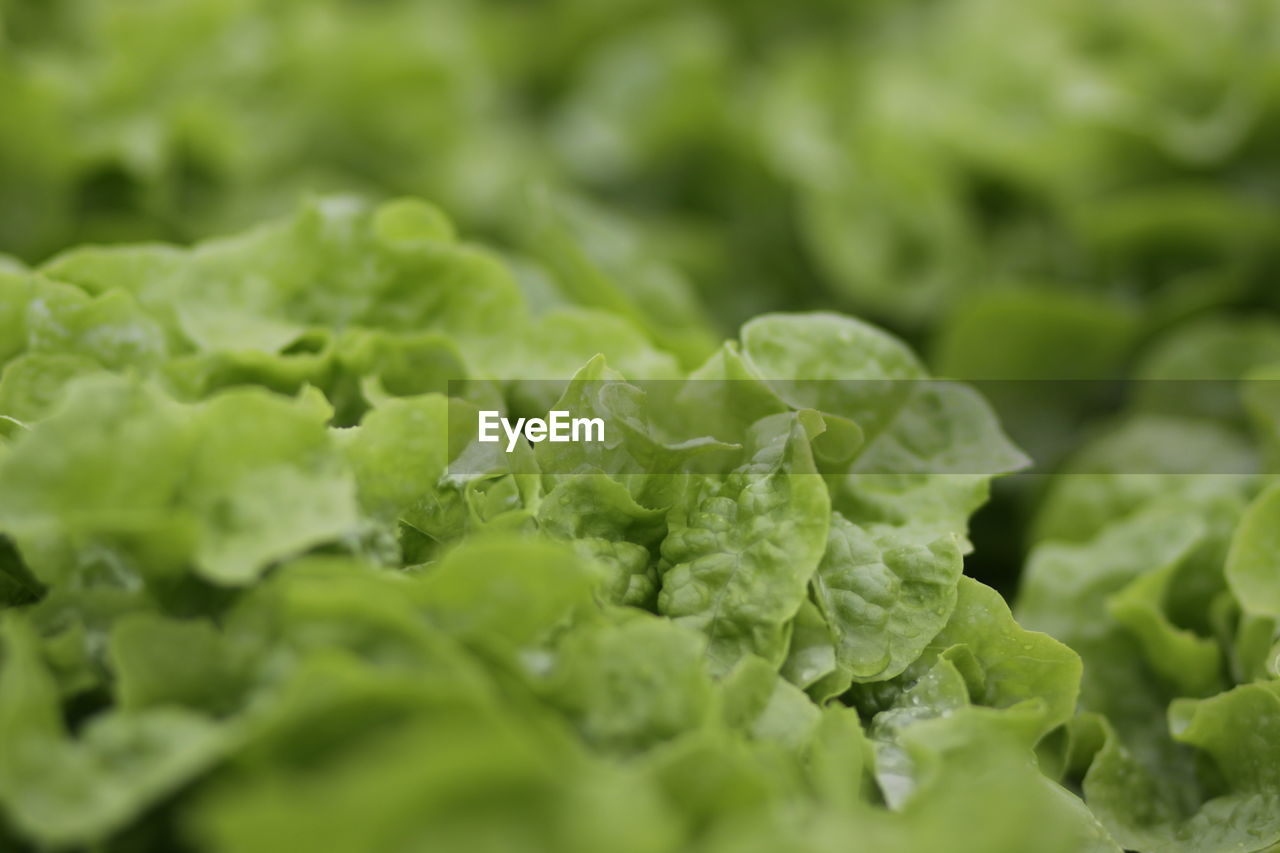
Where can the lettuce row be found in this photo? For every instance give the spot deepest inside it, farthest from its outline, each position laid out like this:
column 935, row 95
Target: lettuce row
column 248, row 597
column 1078, row 166
column 995, row 158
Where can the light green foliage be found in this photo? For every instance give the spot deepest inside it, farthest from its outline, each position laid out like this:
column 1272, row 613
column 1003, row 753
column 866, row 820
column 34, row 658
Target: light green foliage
column 1157, row 563
column 262, row 589
column 67, row 791
column 925, row 165
column 1253, row 566
column 633, row 685
column 1075, row 151
column 229, row 485
column 1231, row 809
column 741, row 550
column 262, row 586
column 883, row 600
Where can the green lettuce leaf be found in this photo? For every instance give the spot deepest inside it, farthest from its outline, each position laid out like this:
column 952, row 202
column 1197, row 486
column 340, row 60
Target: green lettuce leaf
column 741, row 549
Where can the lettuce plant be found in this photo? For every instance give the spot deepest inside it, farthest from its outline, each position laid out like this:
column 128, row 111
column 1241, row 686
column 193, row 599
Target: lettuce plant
column 1155, row 559
column 260, row 587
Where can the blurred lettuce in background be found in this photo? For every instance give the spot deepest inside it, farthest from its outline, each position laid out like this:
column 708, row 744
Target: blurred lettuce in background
column 919, row 162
